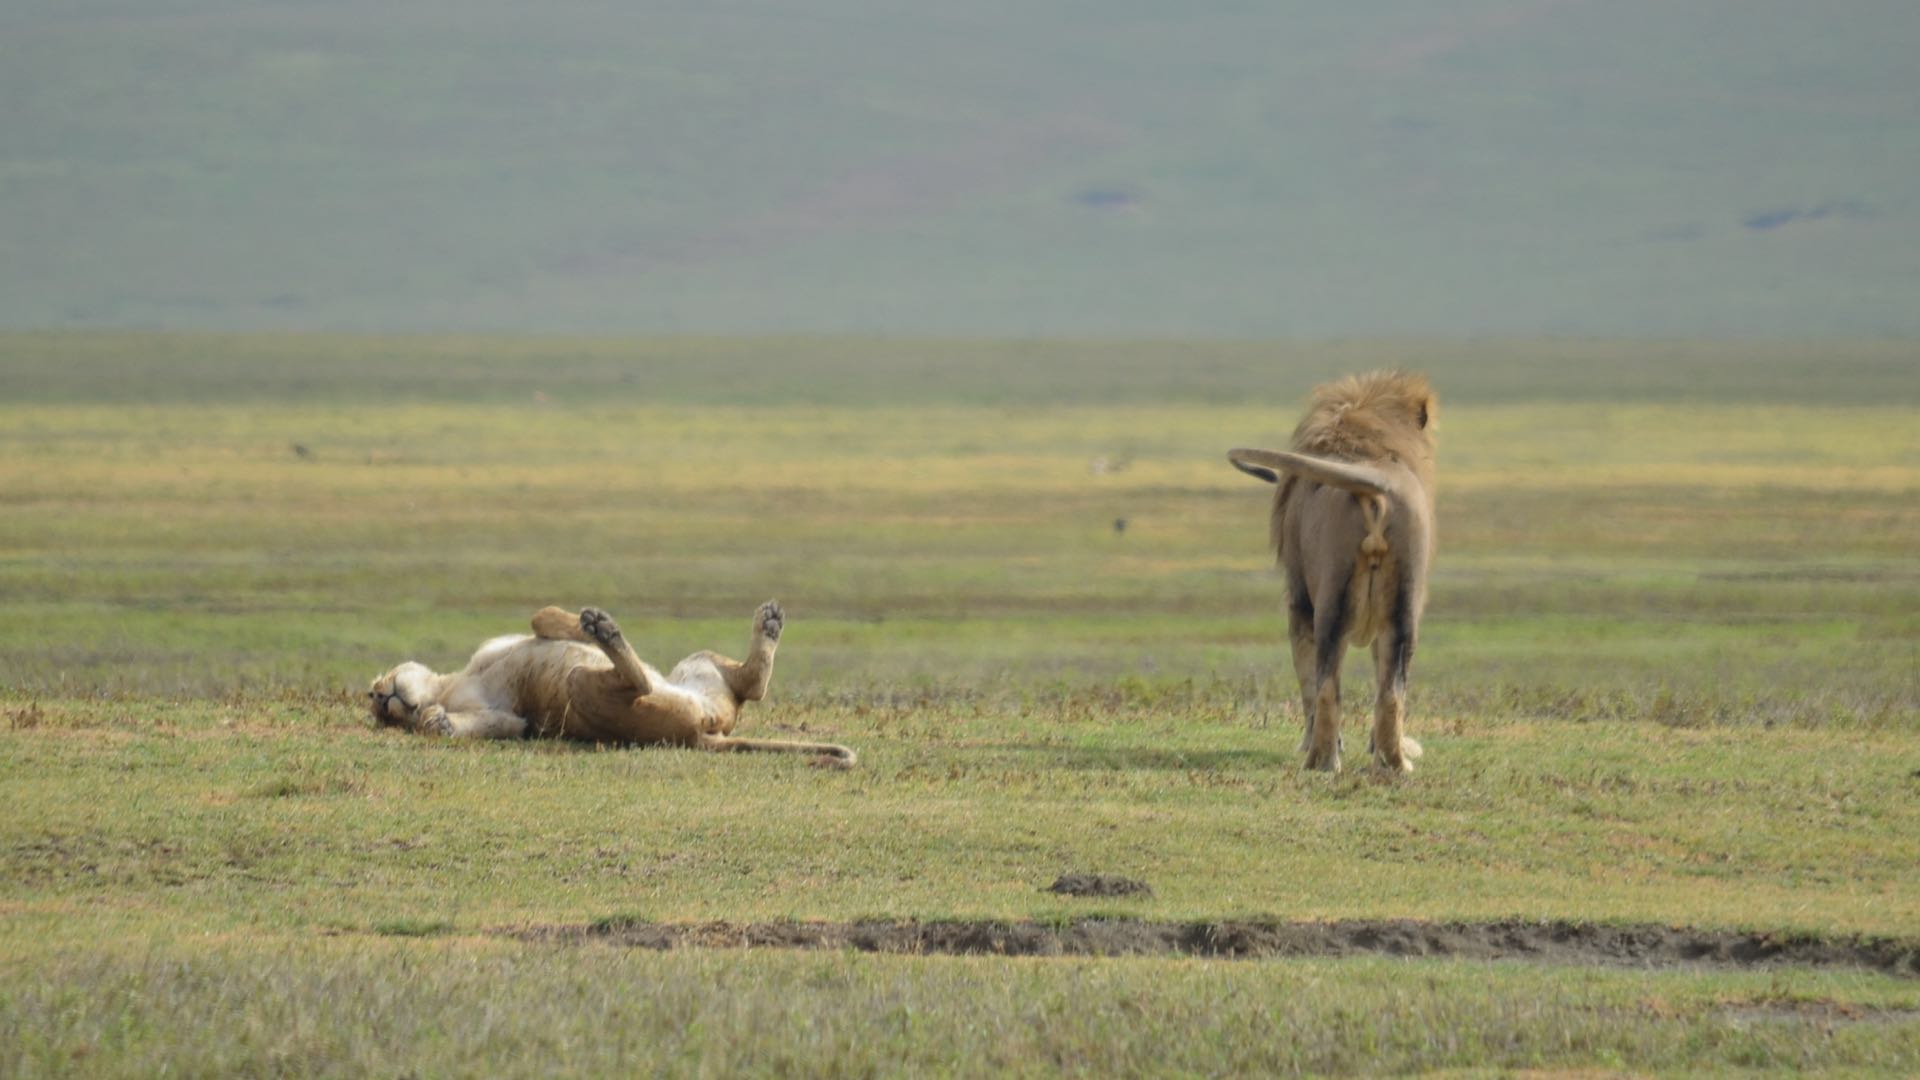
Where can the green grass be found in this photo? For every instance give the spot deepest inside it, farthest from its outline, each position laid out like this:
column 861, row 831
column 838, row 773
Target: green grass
column 467, row 1008
column 1670, row 674
column 292, row 816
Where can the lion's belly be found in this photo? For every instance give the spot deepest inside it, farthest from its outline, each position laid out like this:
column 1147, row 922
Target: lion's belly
column 529, row 677
column 698, row 679
column 568, row 688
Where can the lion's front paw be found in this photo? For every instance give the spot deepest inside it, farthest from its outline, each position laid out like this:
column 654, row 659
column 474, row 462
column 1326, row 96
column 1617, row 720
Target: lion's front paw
column 599, row 626
column 770, row 620
column 433, row 721
column 378, row 708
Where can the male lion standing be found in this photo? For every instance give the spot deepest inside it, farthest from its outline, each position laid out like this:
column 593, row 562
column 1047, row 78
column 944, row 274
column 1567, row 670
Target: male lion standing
column 1353, row 524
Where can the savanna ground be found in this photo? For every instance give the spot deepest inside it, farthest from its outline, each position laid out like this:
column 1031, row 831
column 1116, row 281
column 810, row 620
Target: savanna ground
column 1670, row 677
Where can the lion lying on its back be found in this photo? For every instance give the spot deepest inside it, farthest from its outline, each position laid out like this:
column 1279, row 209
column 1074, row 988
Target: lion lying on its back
column 576, row 677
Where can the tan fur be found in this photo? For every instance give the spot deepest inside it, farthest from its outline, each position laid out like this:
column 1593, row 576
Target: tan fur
column 1352, row 524
column 577, row 678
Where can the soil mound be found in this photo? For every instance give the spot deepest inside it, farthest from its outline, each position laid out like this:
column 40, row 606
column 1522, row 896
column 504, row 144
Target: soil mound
column 1099, row 885
column 1568, row 943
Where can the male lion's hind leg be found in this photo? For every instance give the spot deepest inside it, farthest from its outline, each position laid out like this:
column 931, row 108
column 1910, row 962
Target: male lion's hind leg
column 1300, row 632
column 1392, row 655
column 600, row 628
column 1329, row 648
column 1323, row 750
column 470, row 723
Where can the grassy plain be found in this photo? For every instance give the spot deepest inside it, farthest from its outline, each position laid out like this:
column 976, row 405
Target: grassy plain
column 1670, row 674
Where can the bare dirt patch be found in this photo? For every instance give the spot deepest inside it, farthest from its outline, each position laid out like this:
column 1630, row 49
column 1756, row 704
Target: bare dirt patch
column 1099, row 885
column 1568, row 943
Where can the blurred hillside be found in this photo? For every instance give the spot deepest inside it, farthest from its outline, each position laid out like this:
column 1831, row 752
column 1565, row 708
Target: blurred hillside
column 1051, row 167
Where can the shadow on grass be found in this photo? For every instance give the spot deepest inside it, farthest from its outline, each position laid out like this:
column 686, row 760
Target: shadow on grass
column 1120, row 759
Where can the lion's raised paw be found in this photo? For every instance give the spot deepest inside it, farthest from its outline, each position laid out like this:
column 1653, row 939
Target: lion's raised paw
column 599, row 626
column 770, row 620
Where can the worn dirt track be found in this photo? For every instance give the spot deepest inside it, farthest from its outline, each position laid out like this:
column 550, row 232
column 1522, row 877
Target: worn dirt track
column 1637, row 946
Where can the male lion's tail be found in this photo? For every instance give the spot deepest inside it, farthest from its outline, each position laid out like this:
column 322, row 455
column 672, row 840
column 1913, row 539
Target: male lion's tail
column 1352, row 476
column 559, row 624
column 1369, row 485
column 831, row 754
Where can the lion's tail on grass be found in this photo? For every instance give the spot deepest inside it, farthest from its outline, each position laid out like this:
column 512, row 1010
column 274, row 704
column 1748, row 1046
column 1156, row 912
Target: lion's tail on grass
column 830, row 754
column 559, row 624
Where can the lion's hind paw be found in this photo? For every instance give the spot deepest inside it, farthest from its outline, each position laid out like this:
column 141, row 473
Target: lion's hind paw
column 770, row 620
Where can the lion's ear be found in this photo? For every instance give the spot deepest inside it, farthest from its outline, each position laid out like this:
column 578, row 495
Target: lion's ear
column 1260, row 472
column 1425, row 415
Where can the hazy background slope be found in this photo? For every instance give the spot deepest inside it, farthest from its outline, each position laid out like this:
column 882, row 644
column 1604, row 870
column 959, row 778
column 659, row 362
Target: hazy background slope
column 1629, row 167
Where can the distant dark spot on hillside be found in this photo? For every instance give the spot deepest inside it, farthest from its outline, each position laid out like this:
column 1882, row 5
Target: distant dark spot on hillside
column 1106, row 199
column 1766, row 220
column 1771, row 219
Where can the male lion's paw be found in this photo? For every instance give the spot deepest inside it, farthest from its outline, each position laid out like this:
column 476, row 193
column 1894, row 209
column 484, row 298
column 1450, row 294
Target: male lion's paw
column 433, row 721
column 599, row 625
column 1401, row 763
column 770, row 620
column 1393, row 768
column 1339, row 744
column 1327, row 761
